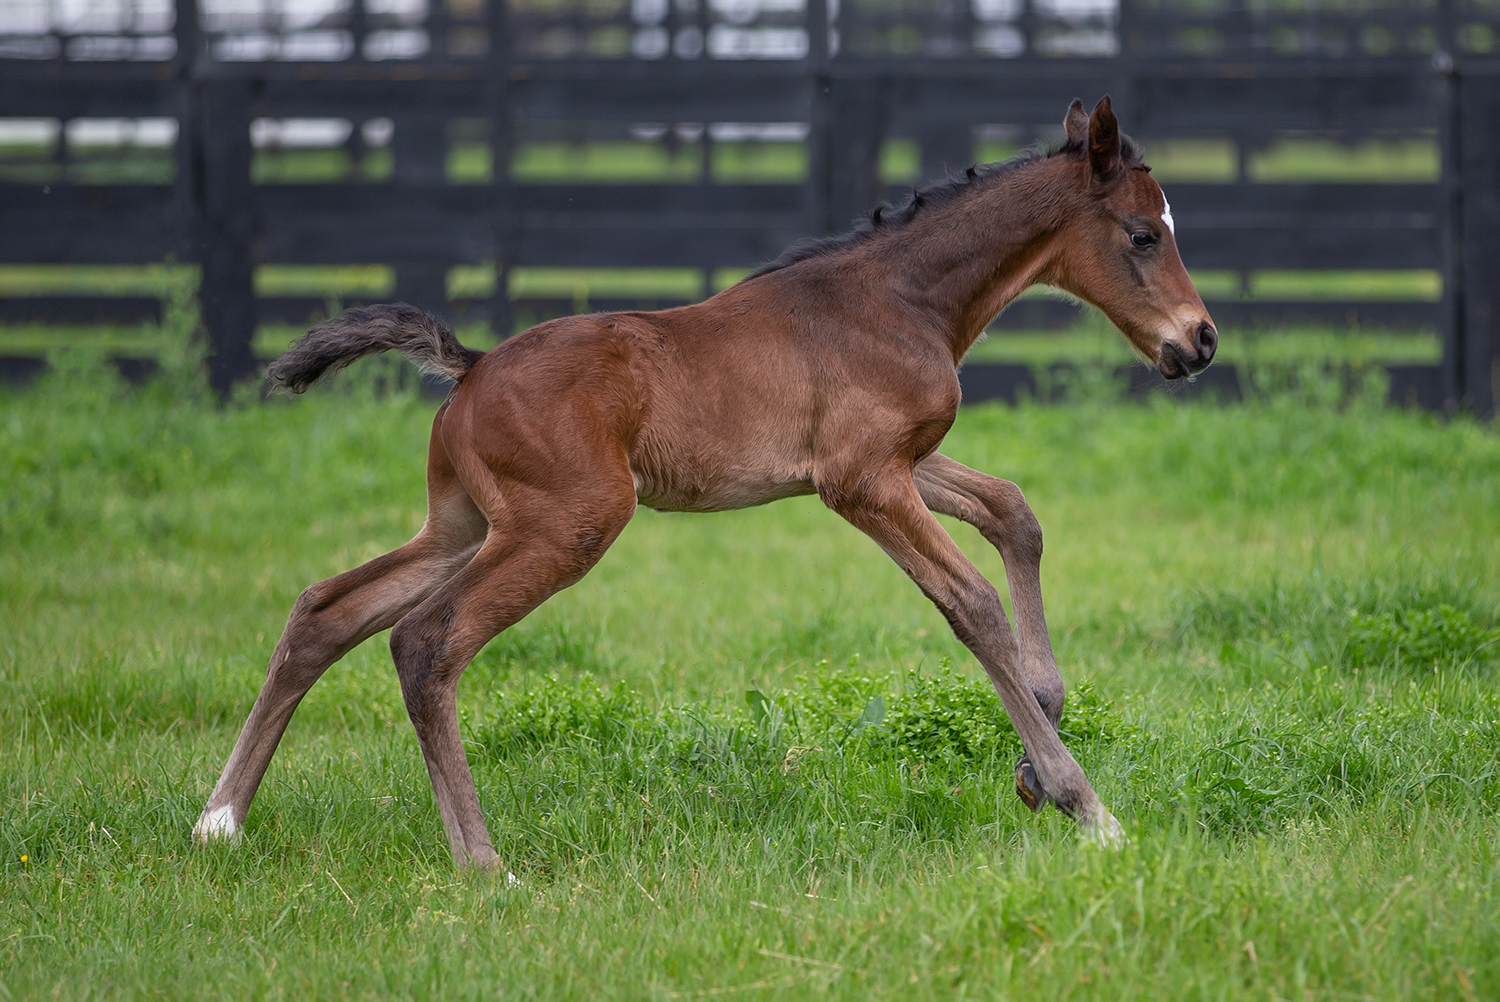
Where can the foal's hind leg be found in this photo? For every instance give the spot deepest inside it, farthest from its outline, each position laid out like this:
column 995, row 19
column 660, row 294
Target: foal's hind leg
column 999, row 511
column 330, row 619
column 540, row 542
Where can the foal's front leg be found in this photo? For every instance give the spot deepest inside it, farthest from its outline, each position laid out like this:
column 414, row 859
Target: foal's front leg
column 999, row 511
column 888, row 507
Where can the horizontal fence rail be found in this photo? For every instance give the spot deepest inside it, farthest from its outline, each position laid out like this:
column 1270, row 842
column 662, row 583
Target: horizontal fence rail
column 709, row 134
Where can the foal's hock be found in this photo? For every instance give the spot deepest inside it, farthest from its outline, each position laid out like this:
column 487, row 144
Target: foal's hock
column 832, row 369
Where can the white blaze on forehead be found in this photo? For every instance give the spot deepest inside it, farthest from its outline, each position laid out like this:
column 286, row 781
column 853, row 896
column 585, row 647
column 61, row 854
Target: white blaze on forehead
column 1166, row 214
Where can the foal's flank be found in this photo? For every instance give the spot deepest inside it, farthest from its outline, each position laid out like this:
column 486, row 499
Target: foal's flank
column 830, row 370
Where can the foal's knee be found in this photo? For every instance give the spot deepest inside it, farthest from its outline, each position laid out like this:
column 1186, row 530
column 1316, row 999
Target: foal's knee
column 1026, row 532
column 1023, row 533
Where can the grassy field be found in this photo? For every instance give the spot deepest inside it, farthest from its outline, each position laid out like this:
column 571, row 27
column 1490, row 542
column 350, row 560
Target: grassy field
column 744, row 757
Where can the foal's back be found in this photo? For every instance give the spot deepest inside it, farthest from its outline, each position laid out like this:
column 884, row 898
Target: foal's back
column 728, row 403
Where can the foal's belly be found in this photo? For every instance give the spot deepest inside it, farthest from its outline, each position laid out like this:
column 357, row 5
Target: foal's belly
column 669, row 493
column 718, row 445
column 706, row 473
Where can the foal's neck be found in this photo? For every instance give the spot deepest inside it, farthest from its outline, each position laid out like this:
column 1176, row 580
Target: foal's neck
column 967, row 259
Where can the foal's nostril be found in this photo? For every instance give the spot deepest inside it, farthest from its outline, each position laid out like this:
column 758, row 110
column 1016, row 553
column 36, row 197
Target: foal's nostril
column 1206, row 340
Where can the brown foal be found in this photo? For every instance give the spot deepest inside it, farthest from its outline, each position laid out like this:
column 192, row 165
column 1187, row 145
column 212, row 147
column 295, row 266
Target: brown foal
column 831, row 370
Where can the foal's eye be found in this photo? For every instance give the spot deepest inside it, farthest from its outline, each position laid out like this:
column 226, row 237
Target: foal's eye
column 1142, row 239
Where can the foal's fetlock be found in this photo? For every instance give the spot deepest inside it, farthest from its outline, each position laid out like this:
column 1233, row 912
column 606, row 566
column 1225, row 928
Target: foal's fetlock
column 217, row 825
column 490, row 867
column 1029, row 786
column 1103, row 828
column 481, row 860
column 1094, row 819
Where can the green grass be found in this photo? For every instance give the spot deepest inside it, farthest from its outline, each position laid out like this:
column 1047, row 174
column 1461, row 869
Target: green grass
column 1314, row 284
column 27, row 164
column 142, row 340
column 901, row 162
column 759, row 162
column 318, row 166
column 1420, row 285
column 1297, row 157
column 470, row 163
column 95, row 279
column 1278, row 624
column 686, row 283
column 550, row 162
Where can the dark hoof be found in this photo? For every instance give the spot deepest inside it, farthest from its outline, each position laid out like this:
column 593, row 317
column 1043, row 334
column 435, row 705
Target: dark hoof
column 1028, row 787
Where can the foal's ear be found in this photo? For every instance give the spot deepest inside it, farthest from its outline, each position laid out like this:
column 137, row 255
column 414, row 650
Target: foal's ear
column 1104, row 141
column 1077, row 123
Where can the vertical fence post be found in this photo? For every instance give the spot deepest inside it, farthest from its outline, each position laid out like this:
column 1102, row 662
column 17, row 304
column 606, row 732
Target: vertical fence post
column 1469, row 357
column 947, row 148
column 857, row 112
column 226, row 227
column 848, row 123
column 818, row 49
column 820, row 126
column 185, row 184
column 423, row 284
column 358, row 29
column 1453, row 183
column 1481, row 341
column 504, row 212
column 419, row 148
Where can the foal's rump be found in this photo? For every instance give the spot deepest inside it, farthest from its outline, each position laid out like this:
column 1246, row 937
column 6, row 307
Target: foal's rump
column 543, row 425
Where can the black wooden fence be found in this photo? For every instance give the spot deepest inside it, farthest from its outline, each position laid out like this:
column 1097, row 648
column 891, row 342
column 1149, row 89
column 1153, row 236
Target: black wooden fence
column 839, row 77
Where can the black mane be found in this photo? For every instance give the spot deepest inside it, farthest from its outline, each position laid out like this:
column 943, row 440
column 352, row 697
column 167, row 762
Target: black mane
column 886, row 216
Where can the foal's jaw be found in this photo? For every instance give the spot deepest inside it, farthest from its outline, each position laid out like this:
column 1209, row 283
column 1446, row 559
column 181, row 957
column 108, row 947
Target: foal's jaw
column 1177, row 346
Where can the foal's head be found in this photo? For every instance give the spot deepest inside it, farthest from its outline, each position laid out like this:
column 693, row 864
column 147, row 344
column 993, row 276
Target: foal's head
column 1119, row 251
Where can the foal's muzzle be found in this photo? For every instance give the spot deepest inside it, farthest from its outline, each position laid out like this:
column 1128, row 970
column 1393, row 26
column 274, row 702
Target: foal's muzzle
column 1176, row 362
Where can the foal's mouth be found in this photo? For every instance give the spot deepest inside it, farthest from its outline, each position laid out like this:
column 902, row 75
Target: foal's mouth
column 1174, row 361
column 1175, row 364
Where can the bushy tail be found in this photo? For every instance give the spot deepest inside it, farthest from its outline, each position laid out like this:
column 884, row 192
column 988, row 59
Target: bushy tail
column 368, row 330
